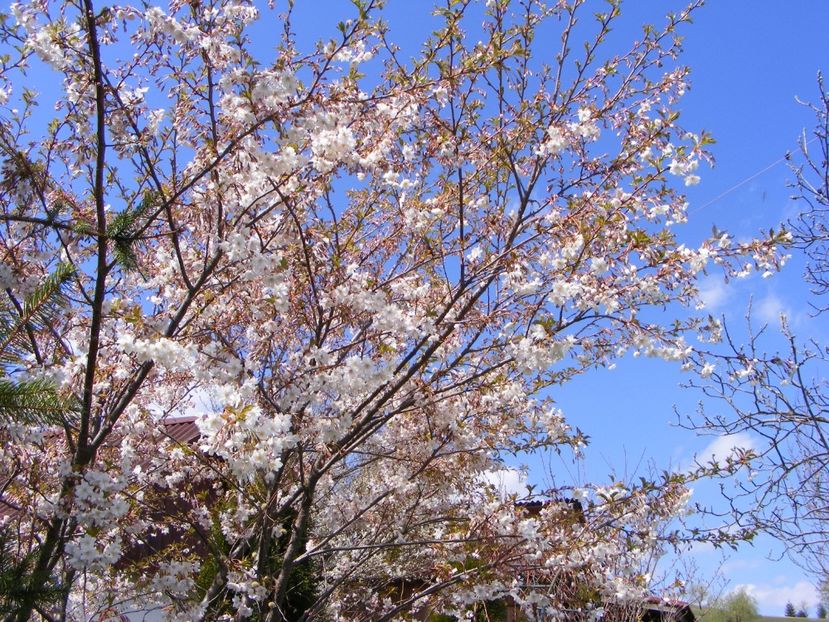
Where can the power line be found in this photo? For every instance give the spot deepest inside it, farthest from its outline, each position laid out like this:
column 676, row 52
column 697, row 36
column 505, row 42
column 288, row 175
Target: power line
column 746, row 180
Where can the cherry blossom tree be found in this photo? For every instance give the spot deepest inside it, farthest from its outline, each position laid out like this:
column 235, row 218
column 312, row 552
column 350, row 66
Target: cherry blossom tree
column 362, row 273
column 778, row 397
column 810, row 230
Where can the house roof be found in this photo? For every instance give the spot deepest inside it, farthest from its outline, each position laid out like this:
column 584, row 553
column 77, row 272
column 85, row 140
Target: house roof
column 181, row 430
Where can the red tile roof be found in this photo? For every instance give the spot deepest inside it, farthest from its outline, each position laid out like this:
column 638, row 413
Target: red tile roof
column 179, row 429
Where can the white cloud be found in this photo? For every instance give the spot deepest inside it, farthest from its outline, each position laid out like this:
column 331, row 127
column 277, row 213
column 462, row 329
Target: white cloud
column 724, row 446
column 713, row 292
column 195, row 404
column 772, row 599
column 702, row 548
column 733, row 566
column 507, row 481
column 769, row 310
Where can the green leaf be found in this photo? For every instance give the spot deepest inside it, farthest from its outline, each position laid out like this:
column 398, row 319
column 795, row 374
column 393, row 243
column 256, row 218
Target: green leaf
column 34, row 402
column 124, row 227
column 39, row 308
column 16, row 591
